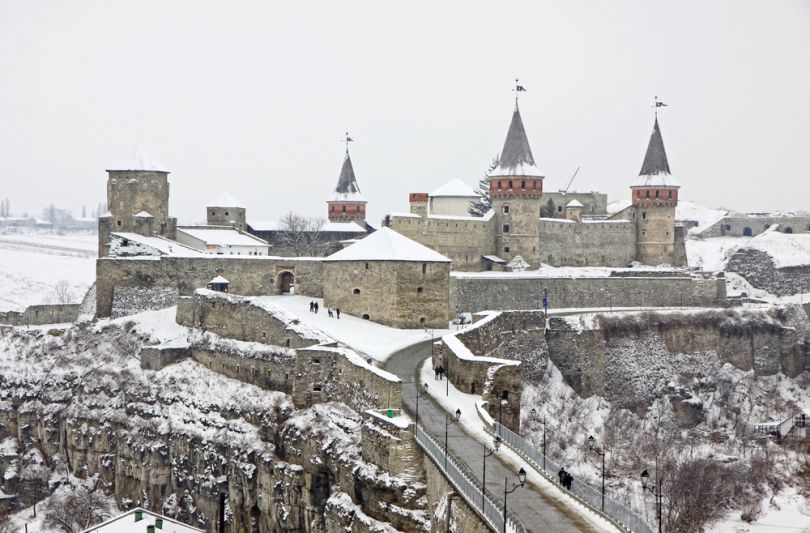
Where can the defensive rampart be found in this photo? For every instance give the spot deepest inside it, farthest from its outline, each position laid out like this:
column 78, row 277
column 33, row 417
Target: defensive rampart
column 588, row 243
column 473, row 292
column 36, row 315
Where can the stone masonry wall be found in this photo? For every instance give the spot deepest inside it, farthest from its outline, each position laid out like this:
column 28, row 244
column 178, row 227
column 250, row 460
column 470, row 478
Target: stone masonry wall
column 736, row 226
column 36, row 315
column 446, row 509
column 473, row 293
column 462, row 239
column 590, row 243
column 248, row 275
column 402, row 294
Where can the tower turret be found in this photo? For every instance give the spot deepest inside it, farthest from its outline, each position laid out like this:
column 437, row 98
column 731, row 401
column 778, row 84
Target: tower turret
column 655, row 197
column 137, row 199
column 515, row 187
column 347, row 203
column 225, row 210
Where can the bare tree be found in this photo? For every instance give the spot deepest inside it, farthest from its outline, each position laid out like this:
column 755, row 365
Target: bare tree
column 302, row 235
column 62, row 293
column 76, row 507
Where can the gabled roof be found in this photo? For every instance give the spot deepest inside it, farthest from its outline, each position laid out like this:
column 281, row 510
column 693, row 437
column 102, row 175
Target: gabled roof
column 141, row 160
column 574, row 203
column 516, row 156
column 455, row 187
column 347, row 188
column 125, row 523
column 655, row 168
column 143, row 214
column 222, row 236
column 386, row 244
column 225, row 199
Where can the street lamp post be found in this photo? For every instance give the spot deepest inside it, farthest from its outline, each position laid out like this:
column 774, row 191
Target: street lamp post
column 507, row 491
column 448, row 423
column 497, row 443
column 425, row 387
column 656, row 491
column 591, row 443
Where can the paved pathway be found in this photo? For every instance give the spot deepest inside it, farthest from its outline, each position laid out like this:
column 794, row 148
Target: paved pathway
column 537, row 512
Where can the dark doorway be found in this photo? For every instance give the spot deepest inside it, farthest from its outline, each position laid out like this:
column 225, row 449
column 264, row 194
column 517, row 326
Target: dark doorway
column 747, row 232
column 788, row 230
column 286, row 282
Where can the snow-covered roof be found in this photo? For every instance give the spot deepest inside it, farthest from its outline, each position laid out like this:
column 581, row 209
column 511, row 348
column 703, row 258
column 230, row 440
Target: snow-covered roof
column 342, row 227
column 494, row 259
column 455, row 187
column 386, row 244
column 223, row 236
column 125, row 523
column 347, row 189
column 516, row 157
column 219, row 279
column 143, row 214
column 655, row 168
column 161, row 244
column 141, row 160
column 225, row 199
column 574, row 203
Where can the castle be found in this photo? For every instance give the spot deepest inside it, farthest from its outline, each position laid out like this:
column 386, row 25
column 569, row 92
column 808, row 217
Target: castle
column 558, row 229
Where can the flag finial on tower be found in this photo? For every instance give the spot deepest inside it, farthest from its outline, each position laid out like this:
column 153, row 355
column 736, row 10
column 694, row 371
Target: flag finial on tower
column 518, row 88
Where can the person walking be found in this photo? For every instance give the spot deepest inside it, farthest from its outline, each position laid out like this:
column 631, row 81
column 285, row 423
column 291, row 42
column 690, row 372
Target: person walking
column 311, row 306
column 562, row 474
column 329, row 312
column 337, row 310
column 569, row 480
column 441, row 372
column 316, row 308
column 435, row 373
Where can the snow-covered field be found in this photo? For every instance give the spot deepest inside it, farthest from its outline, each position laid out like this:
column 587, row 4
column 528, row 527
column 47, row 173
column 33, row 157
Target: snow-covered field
column 32, row 264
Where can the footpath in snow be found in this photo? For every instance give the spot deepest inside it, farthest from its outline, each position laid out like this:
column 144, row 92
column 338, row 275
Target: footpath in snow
column 364, row 336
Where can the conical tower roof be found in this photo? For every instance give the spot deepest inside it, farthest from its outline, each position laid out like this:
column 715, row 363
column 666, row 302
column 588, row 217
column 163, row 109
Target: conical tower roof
column 347, row 188
column 516, row 156
column 141, row 161
column 655, row 168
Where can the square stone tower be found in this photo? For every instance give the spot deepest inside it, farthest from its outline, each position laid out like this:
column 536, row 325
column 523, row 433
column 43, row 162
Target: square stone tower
column 515, row 187
column 137, row 201
column 225, row 210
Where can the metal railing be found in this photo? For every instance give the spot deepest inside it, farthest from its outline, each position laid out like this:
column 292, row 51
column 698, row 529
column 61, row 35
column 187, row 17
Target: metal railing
column 614, row 511
column 467, row 486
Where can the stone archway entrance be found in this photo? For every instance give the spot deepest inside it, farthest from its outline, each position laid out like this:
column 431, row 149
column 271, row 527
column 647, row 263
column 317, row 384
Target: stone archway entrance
column 286, row 282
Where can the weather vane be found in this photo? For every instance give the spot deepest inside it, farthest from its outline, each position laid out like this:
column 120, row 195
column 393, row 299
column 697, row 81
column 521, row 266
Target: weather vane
column 347, row 140
column 657, row 105
column 518, row 88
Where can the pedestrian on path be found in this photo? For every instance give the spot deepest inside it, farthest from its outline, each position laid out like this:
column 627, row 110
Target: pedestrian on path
column 311, row 306
column 329, row 312
column 435, row 373
column 441, row 372
column 569, row 479
column 316, row 308
column 562, row 475
column 337, row 310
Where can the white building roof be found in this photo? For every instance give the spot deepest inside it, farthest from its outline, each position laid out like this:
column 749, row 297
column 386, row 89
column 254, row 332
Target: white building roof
column 161, row 244
column 223, row 236
column 662, row 179
column 574, row 203
column 225, row 199
column 141, row 160
column 219, row 279
column 386, row 244
column 143, row 214
column 455, row 187
column 126, row 523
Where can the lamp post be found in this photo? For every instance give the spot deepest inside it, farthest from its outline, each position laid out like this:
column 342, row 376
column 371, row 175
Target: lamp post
column 448, row 423
column 425, row 387
column 507, row 491
column 591, row 443
column 497, row 443
column 656, row 491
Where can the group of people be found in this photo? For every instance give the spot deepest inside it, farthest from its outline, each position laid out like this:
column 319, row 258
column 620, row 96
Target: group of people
column 566, row 479
column 314, row 307
column 439, row 372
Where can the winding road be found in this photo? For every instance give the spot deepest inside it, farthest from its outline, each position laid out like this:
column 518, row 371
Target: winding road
column 538, row 512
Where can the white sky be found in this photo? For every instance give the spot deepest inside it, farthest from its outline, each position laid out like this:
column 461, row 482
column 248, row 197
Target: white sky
column 254, row 97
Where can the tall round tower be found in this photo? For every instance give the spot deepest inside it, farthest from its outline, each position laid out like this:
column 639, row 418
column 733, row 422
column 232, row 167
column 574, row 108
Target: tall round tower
column 347, row 203
column 515, row 187
column 655, row 197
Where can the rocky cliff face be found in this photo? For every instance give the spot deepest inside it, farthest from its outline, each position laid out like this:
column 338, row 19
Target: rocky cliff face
column 172, row 440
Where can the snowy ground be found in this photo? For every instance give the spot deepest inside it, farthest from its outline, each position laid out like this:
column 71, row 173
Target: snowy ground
column 786, row 512
column 366, row 337
column 32, row 264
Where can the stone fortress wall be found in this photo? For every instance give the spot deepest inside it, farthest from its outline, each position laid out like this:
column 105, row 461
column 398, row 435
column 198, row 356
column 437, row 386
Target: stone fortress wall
column 739, row 225
column 261, row 344
column 471, row 292
column 37, row 315
column 553, row 203
column 154, row 275
column 462, row 239
column 590, row 242
column 759, row 269
column 402, row 294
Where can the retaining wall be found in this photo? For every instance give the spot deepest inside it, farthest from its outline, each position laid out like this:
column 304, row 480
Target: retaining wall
column 36, row 315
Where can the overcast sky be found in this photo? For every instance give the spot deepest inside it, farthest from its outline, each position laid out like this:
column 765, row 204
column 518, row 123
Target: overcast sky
column 255, row 97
